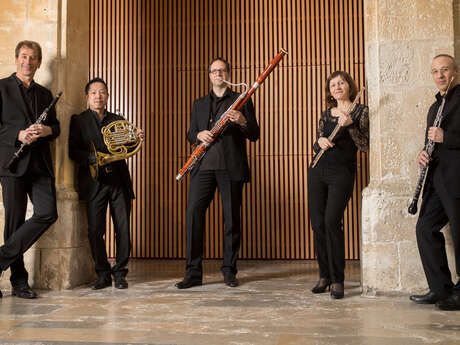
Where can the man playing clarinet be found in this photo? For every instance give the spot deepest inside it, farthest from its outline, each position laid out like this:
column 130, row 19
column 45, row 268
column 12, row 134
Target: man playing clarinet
column 225, row 166
column 21, row 102
column 441, row 195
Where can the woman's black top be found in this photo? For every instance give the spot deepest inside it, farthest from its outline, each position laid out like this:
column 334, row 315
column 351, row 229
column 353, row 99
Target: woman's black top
column 347, row 141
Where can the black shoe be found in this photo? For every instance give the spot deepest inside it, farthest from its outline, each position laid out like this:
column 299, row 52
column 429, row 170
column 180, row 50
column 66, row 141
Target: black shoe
column 337, row 290
column 1, row 295
column 188, row 282
column 429, row 298
column 450, row 303
column 102, row 282
column 321, row 286
column 121, row 283
column 23, row 291
column 231, row 280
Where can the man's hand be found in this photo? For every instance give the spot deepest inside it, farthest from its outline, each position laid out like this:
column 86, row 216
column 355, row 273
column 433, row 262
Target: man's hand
column 140, row 134
column 205, row 137
column 33, row 132
column 236, row 117
column 436, row 134
column 423, row 158
column 27, row 136
column 325, row 144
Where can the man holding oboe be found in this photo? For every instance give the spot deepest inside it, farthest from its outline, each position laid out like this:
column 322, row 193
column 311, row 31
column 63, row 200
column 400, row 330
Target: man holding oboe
column 22, row 101
column 224, row 166
column 441, row 196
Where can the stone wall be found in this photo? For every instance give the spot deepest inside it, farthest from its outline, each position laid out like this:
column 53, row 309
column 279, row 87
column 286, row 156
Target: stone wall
column 402, row 37
column 61, row 258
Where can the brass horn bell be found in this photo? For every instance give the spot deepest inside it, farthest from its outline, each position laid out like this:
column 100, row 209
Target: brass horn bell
column 122, row 141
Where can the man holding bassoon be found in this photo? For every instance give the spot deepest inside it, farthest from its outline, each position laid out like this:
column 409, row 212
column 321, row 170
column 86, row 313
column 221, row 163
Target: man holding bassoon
column 441, row 195
column 224, row 166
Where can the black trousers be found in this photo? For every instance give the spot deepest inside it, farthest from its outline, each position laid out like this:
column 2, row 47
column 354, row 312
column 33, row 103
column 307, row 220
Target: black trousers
column 329, row 190
column 201, row 192
column 438, row 208
column 20, row 234
column 117, row 199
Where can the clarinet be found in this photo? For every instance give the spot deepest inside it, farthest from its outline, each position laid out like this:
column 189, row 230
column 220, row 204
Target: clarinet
column 40, row 120
column 223, row 121
column 429, row 148
column 336, row 129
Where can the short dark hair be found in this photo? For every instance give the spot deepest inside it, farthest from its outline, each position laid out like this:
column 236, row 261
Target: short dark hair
column 448, row 56
column 29, row 44
column 96, row 80
column 353, row 92
column 227, row 64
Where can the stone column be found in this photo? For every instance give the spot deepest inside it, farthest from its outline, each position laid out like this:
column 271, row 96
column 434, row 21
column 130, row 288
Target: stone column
column 402, row 37
column 61, row 258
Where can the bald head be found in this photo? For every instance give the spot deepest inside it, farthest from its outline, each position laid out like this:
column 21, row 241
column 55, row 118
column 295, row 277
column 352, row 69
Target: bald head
column 451, row 58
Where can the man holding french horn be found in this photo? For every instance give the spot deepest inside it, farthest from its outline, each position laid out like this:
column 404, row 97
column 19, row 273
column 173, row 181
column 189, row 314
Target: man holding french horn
column 441, row 195
column 103, row 179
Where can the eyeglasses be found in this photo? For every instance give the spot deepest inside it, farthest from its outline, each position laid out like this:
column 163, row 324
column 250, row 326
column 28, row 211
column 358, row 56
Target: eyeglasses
column 215, row 71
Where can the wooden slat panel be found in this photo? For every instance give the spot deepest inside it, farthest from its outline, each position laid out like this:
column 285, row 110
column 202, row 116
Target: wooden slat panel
column 154, row 56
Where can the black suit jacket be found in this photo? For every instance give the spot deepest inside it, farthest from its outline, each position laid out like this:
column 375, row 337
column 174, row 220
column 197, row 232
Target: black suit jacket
column 448, row 152
column 84, row 130
column 14, row 117
column 233, row 138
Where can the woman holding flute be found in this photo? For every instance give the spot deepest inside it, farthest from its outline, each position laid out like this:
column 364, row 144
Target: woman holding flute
column 331, row 178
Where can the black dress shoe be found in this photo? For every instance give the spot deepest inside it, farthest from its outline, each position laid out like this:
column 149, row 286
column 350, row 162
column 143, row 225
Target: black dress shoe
column 321, row 286
column 188, row 282
column 450, row 303
column 429, row 298
column 23, row 291
column 231, row 280
column 121, row 283
column 337, row 290
column 102, row 282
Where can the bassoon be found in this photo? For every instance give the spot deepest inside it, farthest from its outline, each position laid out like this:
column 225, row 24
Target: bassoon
column 336, row 129
column 39, row 120
column 201, row 149
column 429, row 148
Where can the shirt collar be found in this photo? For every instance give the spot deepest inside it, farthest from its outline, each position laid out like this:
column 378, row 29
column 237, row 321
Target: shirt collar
column 214, row 96
column 19, row 82
column 96, row 115
column 449, row 93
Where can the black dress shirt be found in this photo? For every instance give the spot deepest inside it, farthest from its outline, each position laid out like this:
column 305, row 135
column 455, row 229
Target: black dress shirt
column 214, row 158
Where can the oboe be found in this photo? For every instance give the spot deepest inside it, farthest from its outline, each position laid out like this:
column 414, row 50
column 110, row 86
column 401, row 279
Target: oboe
column 336, row 129
column 223, row 121
column 40, row 120
column 429, row 147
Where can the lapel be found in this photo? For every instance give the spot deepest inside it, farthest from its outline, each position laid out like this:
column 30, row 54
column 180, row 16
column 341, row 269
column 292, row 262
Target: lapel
column 20, row 100
column 206, row 111
column 94, row 134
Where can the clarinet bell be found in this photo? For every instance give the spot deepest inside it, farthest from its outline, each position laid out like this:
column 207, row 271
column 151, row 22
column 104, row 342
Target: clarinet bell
column 413, row 207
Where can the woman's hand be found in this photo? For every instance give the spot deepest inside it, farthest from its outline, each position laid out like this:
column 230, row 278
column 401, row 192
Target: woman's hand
column 325, row 144
column 344, row 119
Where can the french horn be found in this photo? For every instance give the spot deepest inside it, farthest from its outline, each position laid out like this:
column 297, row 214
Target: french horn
column 122, row 141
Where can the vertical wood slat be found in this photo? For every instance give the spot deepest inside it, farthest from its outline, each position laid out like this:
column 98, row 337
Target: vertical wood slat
column 154, row 56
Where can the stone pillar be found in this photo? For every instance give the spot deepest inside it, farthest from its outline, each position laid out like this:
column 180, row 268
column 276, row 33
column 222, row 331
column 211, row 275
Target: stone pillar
column 61, row 258
column 401, row 39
